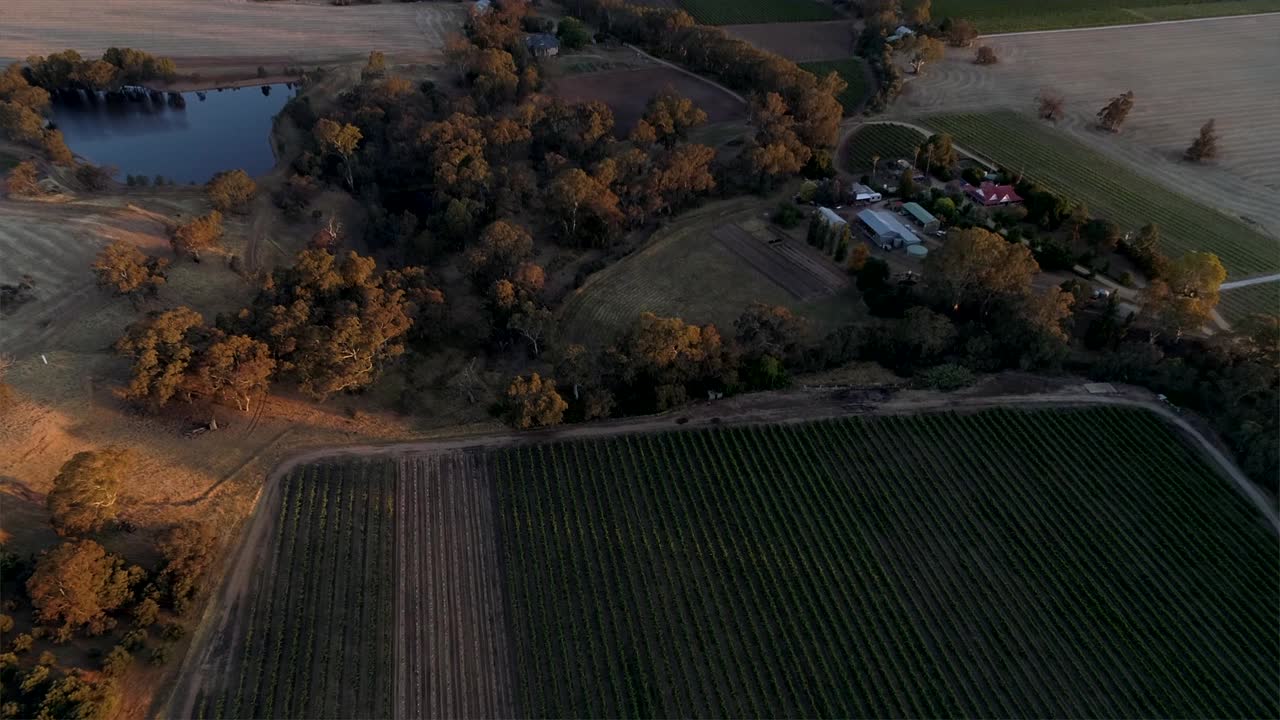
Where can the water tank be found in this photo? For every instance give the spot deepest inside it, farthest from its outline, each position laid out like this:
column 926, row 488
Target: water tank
column 917, row 250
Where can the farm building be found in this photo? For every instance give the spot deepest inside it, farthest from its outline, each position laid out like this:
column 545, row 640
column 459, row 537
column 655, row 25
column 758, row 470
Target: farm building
column 831, row 218
column 862, row 193
column 886, row 230
column 901, row 32
column 480, row 7
column 923, row 218
column 989, row 194
column 542, row 44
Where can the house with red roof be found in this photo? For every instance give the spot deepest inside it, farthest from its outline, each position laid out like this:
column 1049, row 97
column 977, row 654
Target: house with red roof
column 989, row 194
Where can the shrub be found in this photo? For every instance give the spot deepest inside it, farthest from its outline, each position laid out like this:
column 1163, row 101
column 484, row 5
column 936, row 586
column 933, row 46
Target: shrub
column 572, row 33
column 231, row 190
column 23, row 180
column 117, row 661
column 947, row 377
column 787, row 215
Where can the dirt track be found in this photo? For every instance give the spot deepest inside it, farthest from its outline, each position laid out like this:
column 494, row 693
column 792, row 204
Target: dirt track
column 279, row 31
column 1181, row 74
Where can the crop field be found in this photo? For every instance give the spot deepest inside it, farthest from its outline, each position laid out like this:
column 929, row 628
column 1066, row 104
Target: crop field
column 1182, row 75
column 852, row 71
column 271, row 31
column 1005, row 563
column 733, row 12
column 999, row 16
column 800, row 41
column 314, row 637
column 890, row 142
column 1237, row 304
column 1109, row 189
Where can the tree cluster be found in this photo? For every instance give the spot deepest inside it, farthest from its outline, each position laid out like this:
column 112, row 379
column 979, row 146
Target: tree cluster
column 231, row 190
column 67, row 70
column 123, row 269
column 22, row 110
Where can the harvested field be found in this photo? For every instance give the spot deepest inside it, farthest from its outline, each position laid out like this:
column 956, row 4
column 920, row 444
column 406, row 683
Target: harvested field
column 890, row 142
column 629, row 91
column 1000, row 16
column 800, row 41
column 1109, row 189
column 731, row 12
column 853, row 72
column 923, row 566
column 272, row 31
column 1237, row 304
column 1182, row 75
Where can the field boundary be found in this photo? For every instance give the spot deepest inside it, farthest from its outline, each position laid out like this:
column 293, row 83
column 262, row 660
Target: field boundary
column 1152, row 23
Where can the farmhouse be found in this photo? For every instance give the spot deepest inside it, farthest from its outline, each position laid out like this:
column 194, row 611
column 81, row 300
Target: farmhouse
column 923, row 218
column 862, row 193
column 989, row 194
column 885, row 230
column 831, row 218
column 542, row 44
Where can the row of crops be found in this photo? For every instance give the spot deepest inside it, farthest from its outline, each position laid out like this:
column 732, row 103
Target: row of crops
column 1076, row 563
column 1238, row 304
column 888, row 142
column 315, row 639
column 997, row 16
column 1109, row 189
column 740, row 12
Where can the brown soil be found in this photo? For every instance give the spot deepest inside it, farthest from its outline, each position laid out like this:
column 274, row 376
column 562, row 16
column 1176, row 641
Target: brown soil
column 802, row 272
column 801, row 41
column 628, row 91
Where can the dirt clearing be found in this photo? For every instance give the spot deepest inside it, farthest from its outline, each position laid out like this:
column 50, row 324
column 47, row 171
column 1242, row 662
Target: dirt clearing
column 1182, row 75
column 628, row 91
column 223, row 28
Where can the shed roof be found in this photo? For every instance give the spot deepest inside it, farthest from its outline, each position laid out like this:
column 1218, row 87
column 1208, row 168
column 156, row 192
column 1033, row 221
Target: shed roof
column 888, row 224
column 860, row 189
column 536, row 41
column 831, row 216
column 921, row 215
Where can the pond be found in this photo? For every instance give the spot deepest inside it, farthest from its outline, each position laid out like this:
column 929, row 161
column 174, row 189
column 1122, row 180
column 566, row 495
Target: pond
column 186, row 140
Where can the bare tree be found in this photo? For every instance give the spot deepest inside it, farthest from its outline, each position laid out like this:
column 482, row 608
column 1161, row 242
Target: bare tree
column 1113, row 114
column 1205, row 146
column 1051, row 105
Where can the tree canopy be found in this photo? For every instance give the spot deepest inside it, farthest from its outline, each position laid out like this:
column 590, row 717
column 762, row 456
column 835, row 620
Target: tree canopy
column 86, row 492
column 77, row 583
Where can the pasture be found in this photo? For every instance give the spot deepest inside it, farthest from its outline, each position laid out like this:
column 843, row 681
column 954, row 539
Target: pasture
column 1001, row 16
column 800, row 41
column 853, row 72
column 1109, row 189
column 890, row 142
column 267, row 32
column 1182, row 75
column 734, row 12
column 922, row 566
column 1238, row 304
column 627, row 93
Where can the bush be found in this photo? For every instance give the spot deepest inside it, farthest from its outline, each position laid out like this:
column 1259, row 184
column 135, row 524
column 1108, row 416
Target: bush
column 231, row 190
column 23, row 180
column 159, row 655
column 572, row 33
column 117, row 661
column 173, row 632
column 946, row 377
column 787, row 215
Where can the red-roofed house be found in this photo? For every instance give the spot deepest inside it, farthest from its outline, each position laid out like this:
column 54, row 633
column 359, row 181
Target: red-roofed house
column 989, row 194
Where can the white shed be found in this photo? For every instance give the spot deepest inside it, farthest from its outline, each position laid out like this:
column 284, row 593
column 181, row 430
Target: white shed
column 832, row 218
column 862, row 193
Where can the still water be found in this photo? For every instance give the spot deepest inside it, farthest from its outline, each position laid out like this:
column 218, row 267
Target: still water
column 215, row 131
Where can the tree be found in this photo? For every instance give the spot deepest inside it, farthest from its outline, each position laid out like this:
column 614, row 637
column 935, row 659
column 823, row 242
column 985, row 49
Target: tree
column 939, row 151
column 1113, row 114
column 534, row 402
column 24, row 180
column 575, row 196
column 233, row 368
column 921, row 337
column 916, row 12
column 76, row 584
column 376, row 66
column 572, row 33
column 960, row 32
column 86, row 490
column 73, row 696
column 1144, row 248
column 777, row 149
column 1205, row 146
column 770, row 330
column 533, row 322
column 187, row 551
column 975, row 267
column 198, row 234
column 671, row 117
column 231, row 190
column 122, row 269
column 55, row 146
column 162, row 348
column 927, row 50
column 907, row 184
column 341, row 140
column 1184, row 297
column 986, row 55
column 500, row 250
column 1051, row 105
column 858, row 257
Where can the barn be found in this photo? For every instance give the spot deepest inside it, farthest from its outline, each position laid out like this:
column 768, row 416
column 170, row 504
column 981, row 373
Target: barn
column 923, row 218
column 885, row 229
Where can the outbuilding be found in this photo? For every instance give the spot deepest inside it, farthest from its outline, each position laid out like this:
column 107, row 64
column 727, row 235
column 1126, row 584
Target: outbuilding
column 923, row 218
column 862, row 193
column 831, row 218
column 542, row 44
column 885, row 229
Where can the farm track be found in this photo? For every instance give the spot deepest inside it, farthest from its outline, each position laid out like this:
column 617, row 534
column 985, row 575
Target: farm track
column 1182, row 75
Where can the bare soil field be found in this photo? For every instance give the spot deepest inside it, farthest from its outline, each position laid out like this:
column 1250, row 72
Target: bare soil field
column 1182, row 74
column 628, row 91
column 804, row 274
column 800, row 41
column 274, row 31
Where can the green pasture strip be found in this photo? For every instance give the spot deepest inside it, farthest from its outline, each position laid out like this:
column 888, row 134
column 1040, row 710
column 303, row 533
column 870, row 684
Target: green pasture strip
column 851, row 70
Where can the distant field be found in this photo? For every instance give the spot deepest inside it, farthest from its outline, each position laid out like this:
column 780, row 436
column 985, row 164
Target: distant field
column 890, row 142
column 851, row 70
column 628, row 91
column 998, row 16
column 733, row 12
column 800, row 41
column 1000, row 564
column 1239, row 303
column 1109, row 189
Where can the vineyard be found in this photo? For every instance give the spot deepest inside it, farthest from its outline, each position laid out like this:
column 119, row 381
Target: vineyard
column 1238, row 304
column 1110, row 190
column 314, row 639
column 890, row 142
column 736, row 12
column 850, row 70
column 998, row 16
column 1069, row 563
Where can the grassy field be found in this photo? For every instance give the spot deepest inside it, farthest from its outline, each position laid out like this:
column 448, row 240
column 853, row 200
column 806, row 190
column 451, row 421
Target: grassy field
column 1109, row 189
column 852, row 71
column 890, row 142
column 1239, row 303
column 921, row 566
column 997, row 16
column 317, row 634
column 740, row 12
